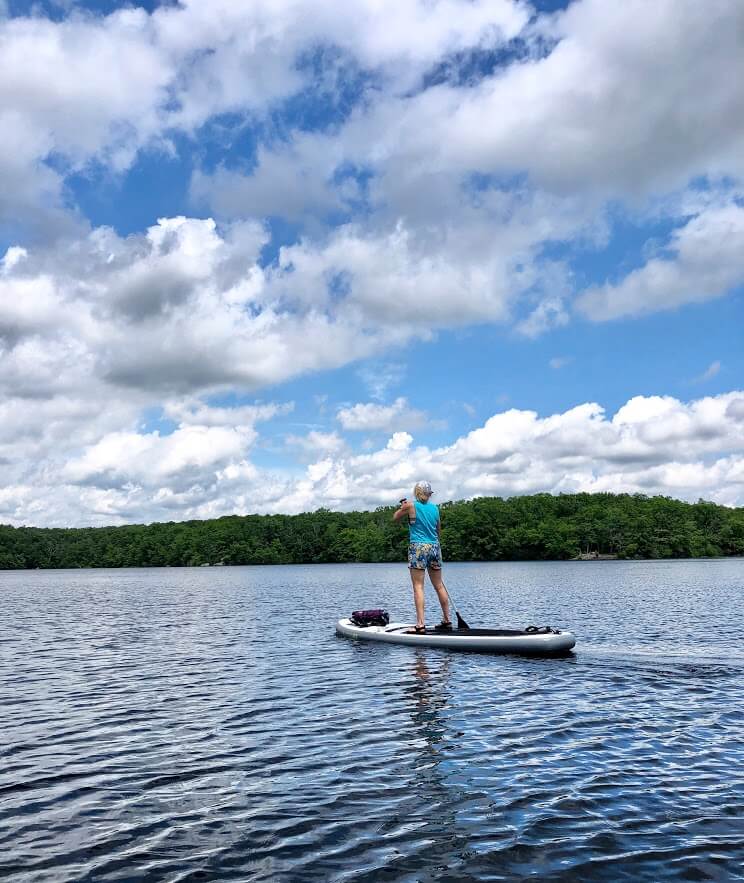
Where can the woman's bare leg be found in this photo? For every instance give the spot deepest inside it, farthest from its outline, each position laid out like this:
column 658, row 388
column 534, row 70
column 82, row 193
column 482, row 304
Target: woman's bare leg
column 435, row 575
column 417, row 578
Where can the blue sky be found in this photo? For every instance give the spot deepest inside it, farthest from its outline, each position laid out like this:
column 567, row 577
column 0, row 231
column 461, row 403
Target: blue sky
column 275, row 256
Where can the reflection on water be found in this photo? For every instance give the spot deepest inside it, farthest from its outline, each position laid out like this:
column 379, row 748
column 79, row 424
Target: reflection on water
column 208, row 724
column 428, row 700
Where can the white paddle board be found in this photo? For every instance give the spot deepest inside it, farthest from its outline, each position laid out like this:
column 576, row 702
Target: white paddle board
column 543, row 642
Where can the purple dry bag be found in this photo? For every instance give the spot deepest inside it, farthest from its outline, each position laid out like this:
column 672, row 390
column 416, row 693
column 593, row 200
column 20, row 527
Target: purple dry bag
column 364, row 618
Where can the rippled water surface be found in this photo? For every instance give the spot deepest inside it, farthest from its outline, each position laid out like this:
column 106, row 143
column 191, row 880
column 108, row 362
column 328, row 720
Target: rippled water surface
column 208, row 724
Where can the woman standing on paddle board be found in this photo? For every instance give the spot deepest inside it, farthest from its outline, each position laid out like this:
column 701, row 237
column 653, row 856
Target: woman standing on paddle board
column 424, row 552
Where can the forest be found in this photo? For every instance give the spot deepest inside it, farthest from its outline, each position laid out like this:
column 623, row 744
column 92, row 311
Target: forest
column 539, row 527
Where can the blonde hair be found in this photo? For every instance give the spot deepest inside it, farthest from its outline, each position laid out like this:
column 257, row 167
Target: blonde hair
column 420, row 493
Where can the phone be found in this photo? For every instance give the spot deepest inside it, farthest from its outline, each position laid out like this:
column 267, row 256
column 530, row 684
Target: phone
column 403, row 500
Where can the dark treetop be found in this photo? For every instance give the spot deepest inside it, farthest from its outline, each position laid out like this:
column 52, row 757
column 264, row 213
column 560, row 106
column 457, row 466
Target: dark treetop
column 539, row 527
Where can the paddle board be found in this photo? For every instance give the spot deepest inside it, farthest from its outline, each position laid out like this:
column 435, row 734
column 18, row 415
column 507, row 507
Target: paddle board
column 543, row 642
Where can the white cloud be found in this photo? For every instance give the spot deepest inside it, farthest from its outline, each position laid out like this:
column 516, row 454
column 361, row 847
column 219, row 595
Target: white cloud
column 625, row 99
column 622, row 104
column 390, row 278
column 464, row 186
column 294, row 182
column 317, row 443
column 710, row 372
column 651, row 445
column 126, row 457
column 620, row 107
column 78, row 89
column 654, row 444
column 379, row 377
column 625, row 96
column 207, row 442
column 101, row 88
column 184, row 308
column 371, row 417
column 705, row 262
column 14, row 255
column 195, row 412
column 735, row 409
column 549, row 313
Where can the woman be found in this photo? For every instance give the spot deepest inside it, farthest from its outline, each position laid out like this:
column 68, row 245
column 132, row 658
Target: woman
column 424, row 552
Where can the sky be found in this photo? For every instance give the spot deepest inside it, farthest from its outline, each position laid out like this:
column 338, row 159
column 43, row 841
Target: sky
column 282, row 255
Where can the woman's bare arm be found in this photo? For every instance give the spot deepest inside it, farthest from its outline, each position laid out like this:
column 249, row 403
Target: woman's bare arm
column 406, row 509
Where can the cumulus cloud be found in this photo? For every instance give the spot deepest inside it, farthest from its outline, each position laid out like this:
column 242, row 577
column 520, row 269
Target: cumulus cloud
column 183, row 308
column 292, row 181
column 617, row 108
column 317, row 443
column 654, row 444
column 620, row 105
column 651, row 445
column 549, row 313
column 735, row 408
column 194, row 412
column 371, row 417
column 704, row 262
column 72, row 453
column 124, row 457
column 431, row 192
column 103, row 87
column 386, row 277
column 623, row 95
column 465, row 187
column 93, row 91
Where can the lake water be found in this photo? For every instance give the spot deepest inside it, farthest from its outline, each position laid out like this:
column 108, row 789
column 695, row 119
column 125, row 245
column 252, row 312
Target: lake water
column 204, row 724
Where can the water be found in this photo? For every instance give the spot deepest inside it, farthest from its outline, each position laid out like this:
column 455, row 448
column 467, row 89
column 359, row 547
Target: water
column 206, row 724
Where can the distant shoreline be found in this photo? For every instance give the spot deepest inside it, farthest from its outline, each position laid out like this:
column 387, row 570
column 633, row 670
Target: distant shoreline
column 400, row 563
column 541, row 527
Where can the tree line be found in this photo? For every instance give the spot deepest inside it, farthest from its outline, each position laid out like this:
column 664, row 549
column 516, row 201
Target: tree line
column 537, row 527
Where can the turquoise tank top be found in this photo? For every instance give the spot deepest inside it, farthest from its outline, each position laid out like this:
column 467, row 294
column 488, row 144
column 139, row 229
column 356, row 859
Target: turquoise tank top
column 424, row 528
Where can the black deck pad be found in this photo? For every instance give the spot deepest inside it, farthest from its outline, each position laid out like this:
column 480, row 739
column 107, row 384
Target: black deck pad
column 471, row 633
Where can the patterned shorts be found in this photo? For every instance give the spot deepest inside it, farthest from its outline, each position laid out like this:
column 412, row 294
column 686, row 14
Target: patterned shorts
column 423, row 555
